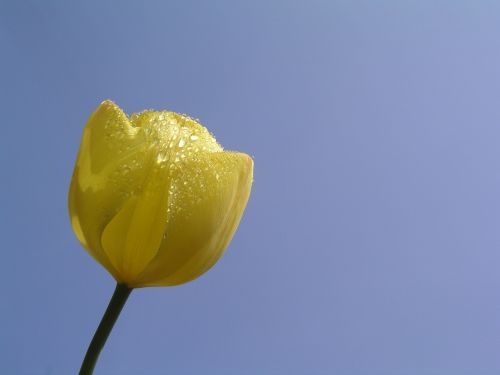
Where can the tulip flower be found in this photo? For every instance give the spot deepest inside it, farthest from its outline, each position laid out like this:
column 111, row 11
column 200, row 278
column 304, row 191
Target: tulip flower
column 155, row 200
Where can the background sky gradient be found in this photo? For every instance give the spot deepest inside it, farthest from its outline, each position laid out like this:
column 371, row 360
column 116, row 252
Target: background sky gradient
column 371, row 242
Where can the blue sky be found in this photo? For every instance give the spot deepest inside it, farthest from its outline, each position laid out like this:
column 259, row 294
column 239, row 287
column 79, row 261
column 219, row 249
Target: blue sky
column 370, row 244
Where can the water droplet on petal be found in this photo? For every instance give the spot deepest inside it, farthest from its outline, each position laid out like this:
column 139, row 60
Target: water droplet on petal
column 162, row 156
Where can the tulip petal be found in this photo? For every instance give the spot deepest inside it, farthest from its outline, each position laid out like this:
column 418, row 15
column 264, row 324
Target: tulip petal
column 132, row 238
column 101, row 184
column 111, row 137
column 174, row 133
column 206, row 201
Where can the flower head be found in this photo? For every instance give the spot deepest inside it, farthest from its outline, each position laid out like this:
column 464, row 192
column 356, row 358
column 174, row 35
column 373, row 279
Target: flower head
column 154, row 198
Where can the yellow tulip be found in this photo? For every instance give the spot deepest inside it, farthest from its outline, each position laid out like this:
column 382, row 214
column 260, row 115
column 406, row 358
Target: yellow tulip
column 154, row 198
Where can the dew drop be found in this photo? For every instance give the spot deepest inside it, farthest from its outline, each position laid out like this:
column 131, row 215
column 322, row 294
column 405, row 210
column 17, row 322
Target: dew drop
column 162, row 156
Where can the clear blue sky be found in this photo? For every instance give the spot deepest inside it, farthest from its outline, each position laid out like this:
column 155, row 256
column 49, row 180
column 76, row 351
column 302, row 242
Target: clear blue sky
column 371, row 242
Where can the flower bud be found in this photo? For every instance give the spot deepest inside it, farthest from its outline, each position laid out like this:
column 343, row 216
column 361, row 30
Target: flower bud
column 154, row 198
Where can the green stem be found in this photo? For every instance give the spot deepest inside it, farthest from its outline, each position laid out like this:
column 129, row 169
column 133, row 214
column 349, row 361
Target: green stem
column 115, row 306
